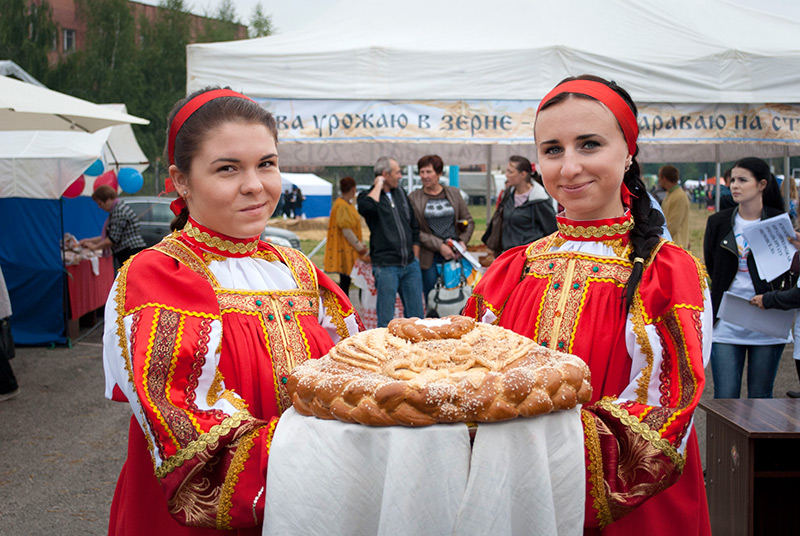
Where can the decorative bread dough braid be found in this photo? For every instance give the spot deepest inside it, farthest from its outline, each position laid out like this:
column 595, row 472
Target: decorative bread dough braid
column 421, row 372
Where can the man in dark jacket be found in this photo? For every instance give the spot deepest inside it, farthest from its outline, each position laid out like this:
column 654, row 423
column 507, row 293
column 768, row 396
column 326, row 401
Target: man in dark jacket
column 393, row 243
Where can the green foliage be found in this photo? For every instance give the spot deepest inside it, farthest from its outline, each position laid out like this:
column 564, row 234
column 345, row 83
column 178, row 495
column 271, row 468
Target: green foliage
column 27, row 34
column 260, row 23
column 221, row 25
column 162, row 60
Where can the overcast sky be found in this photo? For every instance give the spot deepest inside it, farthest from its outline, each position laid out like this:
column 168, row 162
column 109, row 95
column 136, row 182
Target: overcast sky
column 286, row 15
column 290, row 15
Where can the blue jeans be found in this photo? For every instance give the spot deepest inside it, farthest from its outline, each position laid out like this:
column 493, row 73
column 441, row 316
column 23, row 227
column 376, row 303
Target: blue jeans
column 392, row 280
column 727, row 366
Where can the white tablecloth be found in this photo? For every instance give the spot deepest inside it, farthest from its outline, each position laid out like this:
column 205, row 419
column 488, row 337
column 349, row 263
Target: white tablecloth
column 524, row 476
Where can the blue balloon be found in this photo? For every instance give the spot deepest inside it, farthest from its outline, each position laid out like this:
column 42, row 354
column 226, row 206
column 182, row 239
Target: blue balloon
column 95, row 169
column 130, row 180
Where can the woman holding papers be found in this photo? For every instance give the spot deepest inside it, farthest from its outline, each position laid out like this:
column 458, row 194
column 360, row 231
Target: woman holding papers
column 607, row 288
column 733, row 269
column 785, row 300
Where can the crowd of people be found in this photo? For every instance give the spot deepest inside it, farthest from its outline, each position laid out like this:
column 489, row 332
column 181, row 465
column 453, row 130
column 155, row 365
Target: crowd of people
column 203, row 329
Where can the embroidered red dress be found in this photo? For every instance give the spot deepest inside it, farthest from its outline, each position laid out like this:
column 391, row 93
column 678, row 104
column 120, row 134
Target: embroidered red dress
column 201, row 333
column 566, row 291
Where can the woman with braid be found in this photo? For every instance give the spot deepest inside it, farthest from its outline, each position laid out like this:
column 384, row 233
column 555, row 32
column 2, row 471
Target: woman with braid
column 633, row 306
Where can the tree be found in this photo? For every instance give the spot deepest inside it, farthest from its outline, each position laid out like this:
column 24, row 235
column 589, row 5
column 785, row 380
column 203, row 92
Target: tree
column 162, row 58
column 260, row 23
column 221, row 25
column 107, row 69
column 27, row 34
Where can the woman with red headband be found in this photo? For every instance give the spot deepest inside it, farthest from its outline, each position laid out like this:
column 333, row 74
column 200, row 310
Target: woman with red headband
column 636, row 308
column 203, row 329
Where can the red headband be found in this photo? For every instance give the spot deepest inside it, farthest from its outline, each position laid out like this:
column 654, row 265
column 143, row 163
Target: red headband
column 191, row 107
column 610, row 98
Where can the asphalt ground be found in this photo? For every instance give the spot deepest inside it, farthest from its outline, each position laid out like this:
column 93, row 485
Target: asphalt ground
column 62, row 444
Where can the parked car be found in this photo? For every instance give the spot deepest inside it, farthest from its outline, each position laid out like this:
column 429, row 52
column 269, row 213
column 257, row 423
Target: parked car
column 155, row 216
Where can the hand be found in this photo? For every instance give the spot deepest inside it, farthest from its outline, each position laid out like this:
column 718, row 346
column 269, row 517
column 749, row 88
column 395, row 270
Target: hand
column 795, row 241
column 446, row 251
column 378, row 182
column 758, row 301
column 366, row 258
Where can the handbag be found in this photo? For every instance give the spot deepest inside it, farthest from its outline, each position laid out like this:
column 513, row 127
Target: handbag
column 493, row 237
column 6, row 341
column 444, row 301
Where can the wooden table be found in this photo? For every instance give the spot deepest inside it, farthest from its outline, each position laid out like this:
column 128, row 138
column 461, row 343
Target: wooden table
column 753, row 465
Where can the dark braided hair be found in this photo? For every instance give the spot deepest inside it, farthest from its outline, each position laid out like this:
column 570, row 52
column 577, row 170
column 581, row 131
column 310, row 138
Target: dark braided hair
column 209, row 116
column 648, row 221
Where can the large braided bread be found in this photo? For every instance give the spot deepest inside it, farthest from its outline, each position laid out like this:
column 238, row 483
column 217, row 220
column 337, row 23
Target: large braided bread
column 422, row 372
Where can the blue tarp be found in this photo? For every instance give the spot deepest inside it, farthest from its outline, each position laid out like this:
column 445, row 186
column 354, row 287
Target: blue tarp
column 317, row 205
column 30, row 233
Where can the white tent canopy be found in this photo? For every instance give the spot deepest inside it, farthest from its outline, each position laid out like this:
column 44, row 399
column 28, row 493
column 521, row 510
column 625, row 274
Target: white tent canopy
column 309, row 183
column 41, row 165
column 441, row 74
column 25, row 106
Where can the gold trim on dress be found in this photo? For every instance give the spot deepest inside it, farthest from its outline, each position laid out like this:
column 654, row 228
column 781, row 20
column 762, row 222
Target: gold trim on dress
column 206, row 441
column 603, row 231
column 643, row 430
column 240, row 457
column 595, row 468
column 241, row 248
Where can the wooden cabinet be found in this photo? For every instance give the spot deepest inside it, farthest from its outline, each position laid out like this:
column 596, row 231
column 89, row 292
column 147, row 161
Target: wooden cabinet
column 753, row 466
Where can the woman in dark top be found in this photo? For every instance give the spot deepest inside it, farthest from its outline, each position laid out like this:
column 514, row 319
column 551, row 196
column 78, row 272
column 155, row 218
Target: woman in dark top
column 528, row 212
column 443, row 217
column 733, row 268
column 785, row 299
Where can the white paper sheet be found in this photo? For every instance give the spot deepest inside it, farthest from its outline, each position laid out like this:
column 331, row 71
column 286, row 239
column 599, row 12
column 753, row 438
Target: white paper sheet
column 768, row 243
column 469, row 257
column 737, row 310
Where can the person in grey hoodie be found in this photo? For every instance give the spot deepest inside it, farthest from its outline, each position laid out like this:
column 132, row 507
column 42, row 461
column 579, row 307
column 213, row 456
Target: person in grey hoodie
column 528, row 210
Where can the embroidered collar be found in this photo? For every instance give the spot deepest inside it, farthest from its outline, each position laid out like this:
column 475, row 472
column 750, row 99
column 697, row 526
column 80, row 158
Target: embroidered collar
column 593, row 230
column 214, row 242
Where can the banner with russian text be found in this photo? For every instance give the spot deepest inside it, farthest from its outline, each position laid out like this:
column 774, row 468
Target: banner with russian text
column 485, row 121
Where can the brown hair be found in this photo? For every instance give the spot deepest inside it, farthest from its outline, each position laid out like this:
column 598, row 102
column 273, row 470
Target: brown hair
column 209, row 116
column 646, row 232
column 346, row 184
column 103, row 193
column 670, row 174
column 433, row 160
column 523, row 165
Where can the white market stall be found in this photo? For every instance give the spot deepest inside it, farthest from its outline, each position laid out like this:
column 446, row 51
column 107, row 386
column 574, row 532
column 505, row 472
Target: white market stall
column 431, row 76
column 36, row 169
column 316, row 190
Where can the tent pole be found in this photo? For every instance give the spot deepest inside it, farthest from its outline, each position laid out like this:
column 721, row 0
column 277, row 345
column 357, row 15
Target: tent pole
column 489, row 181
column 787, row 176
column 64, row 274
column 718, row 188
